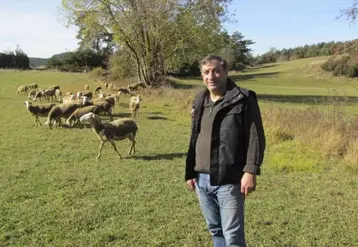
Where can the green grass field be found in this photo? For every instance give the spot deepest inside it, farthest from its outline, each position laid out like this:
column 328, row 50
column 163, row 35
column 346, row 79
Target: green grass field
column 54, row 193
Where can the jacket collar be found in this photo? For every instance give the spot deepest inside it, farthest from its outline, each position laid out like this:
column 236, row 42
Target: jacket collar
column 232, row 95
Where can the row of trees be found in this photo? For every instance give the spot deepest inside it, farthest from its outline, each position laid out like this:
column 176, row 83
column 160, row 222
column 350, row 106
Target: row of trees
column 320, row 49
column 77, row 61
column 14, row 59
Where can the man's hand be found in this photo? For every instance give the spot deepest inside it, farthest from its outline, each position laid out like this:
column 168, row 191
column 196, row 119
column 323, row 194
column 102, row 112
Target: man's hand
column 248, row 183
column 191, row 184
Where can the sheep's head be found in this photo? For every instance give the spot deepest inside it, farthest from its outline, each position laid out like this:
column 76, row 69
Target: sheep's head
column 27, row 103
column 90, row 118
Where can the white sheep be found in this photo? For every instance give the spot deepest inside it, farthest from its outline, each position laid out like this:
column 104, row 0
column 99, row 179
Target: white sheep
column 116, row 130
column 38, row 110
column 134, row 105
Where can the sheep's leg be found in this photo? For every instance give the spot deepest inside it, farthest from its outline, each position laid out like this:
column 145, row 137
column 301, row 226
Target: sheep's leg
column 37, row 120
column 100, row 150
column 115, row 148
column 131, row 138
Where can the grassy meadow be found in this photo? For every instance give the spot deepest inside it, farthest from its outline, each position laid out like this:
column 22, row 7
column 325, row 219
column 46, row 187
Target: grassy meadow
column 54, row 193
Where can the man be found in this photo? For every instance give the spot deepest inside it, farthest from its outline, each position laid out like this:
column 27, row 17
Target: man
column 225, row 153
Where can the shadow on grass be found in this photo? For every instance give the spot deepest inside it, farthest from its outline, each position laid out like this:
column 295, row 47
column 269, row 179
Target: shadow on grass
column 159, row 156
column 307, row 98
column 157, row 118
column 122, row 114
column 262, row 67
column 245, row 76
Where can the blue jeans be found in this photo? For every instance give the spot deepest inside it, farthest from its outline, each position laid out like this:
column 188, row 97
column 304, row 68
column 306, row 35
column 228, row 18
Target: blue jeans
column 223, row 209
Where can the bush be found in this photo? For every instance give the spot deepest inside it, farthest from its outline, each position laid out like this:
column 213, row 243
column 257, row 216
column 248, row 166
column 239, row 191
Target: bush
column 340, row 69
column 97, row 73
column 352, row 71
column 122, row 65
column 332, row 63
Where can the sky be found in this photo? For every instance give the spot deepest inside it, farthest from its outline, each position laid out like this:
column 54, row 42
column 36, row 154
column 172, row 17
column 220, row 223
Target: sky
column 37, row 27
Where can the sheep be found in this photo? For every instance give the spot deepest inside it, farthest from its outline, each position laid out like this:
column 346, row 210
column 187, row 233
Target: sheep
column 54, row 87
column 32, row 93
column 79, row 112
column 33, row 86
column 22, row 90
column 104, row 106
column 86, row 87
column 135, row 86
column 134, row 104
column 50, row 93
column 58, row 94
column 87, row 94
column 58, row 111
column 124, row 91
column 39, row 94
column 63, row 110
column 116, row 130
column 38, row 110
column 98, row 89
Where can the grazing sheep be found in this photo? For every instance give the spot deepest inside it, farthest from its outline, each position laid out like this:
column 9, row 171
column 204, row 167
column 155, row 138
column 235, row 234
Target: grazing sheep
column 105, row 106
column 54, row 87
column 75, row 116
column 86, row 87
column 135, row 86
column 32, row 93
column 124, row 91
column 87, row 94
column 98, row 89
column 22, row 90
column 134, row 105
column 33, row 86
column 50, row 93
column 39, row 94
column 38, row 110
column 119, row 129
column 58, row 94
column 63, row 110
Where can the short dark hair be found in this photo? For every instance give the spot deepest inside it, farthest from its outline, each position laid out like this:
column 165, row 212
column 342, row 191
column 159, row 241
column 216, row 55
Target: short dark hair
column 206, row 60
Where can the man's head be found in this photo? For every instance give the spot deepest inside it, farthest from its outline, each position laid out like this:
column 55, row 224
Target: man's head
column 214, row 71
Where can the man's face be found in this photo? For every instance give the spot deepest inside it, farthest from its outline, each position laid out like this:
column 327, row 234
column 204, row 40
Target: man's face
column 214, row 76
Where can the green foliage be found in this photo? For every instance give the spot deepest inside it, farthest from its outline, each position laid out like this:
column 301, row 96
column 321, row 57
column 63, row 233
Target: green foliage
column 341, row 66
column 307, row 51
column 161, row 36
column 122, row 65
column 77, row 61
column 97, row 73
column 14, row 60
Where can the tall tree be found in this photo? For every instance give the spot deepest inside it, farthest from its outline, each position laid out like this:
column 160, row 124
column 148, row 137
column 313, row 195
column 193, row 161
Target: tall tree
column 160, row 34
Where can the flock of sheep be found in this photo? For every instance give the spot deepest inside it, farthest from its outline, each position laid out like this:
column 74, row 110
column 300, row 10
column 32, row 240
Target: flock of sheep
column 82, row 108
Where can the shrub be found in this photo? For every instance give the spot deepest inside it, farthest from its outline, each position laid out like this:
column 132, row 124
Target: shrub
column 352, row 71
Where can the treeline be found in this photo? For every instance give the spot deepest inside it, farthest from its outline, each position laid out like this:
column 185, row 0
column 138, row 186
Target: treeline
column 307, row 51
column 14, row 59
column 78, row 61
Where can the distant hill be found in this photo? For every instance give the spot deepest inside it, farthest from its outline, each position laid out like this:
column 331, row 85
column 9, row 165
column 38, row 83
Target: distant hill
column 36, row 62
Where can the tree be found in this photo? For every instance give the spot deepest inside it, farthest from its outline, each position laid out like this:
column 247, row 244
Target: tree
column 236, row 50
column 161, row 35
column 350, row 13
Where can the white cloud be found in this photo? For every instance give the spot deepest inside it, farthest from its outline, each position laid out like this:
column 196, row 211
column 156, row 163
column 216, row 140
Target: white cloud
column 39, row 34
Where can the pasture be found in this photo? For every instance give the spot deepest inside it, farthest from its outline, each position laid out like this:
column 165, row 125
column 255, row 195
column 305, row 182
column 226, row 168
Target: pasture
column 54, row 193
